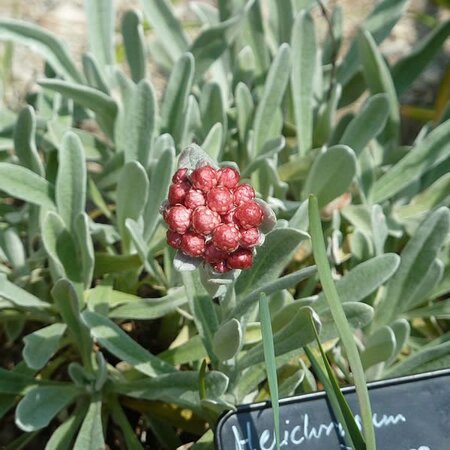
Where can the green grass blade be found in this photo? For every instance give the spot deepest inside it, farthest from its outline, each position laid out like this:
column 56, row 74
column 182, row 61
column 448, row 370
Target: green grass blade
column 271, row 366
column 340, row 319
column 337, row 399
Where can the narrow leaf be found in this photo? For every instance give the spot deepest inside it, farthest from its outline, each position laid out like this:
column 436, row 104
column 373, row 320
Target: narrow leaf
column 18, row 296
column 132, row 192
column 167, row 27
column 100, row 26
column 103, row 106
column 379, row 23
column 41, row 345
column 43, row 42
column 303, row 43
column 140, row 124
column 133, row 40
column 430, row 152
column 67, row 302
column 175, row 100
column 71, row 180
column 362, row 280
column 272, row 257
column 150, row 308
column 62, row 437
column 41, row 404
column 380, row 347
column 227, row 340
column 408, row 68
column 86, row 248
column 24, row 141
column 160, row 179
column 116, row 341
column 247, row 301
column 274, row 90
column 22, row 183
column 331, row 174
column 367, row 124
column 379, row 80
column 416, row 258
column 91, row 436
column 202, row 308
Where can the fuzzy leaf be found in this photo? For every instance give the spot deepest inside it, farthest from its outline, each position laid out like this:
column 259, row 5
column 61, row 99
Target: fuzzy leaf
column 227, row 340
column 168, row 29
column 430, row 152
column 103, row 106
column 303, row 42
column 379, row 23
column 60, row 247
column 86, row 248
column 42, row 344
column 175, row 100
column 150, row 308
column 100, row 26
column 140, row 125
column 41, row 404
column 379, row 80
column 202, row 308
column 408, row 68
column 245, row 302
column 160, row 179
column 62, row 437
column 297, row 333
column 271, row 259
column 132, row 191
column 380, row 347
column 215, row 40
column 180, row 388
column 71, row 180
column 43, row 42
column 68, row 304
column 416, row 258
column 22, row 183
column 93, row 74
column 18, row 296
column 116, row 341
column 24, row 141
column 331, row 174
column 274, row 89
column 134, row 42
column 363, row 279
column 90, row 436
column 431, row 357
column 366, row 124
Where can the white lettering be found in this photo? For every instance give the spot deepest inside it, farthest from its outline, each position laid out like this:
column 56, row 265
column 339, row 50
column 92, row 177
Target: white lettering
column 316, row 433
column 304, row 431
column 239, row 444
column 265, row 436
column 295, row 430
column 387, row 420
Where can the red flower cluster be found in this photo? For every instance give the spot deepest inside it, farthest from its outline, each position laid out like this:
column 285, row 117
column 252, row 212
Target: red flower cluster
column 211, row 216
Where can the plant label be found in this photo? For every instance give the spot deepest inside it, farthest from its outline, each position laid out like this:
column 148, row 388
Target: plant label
column 409, row 413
